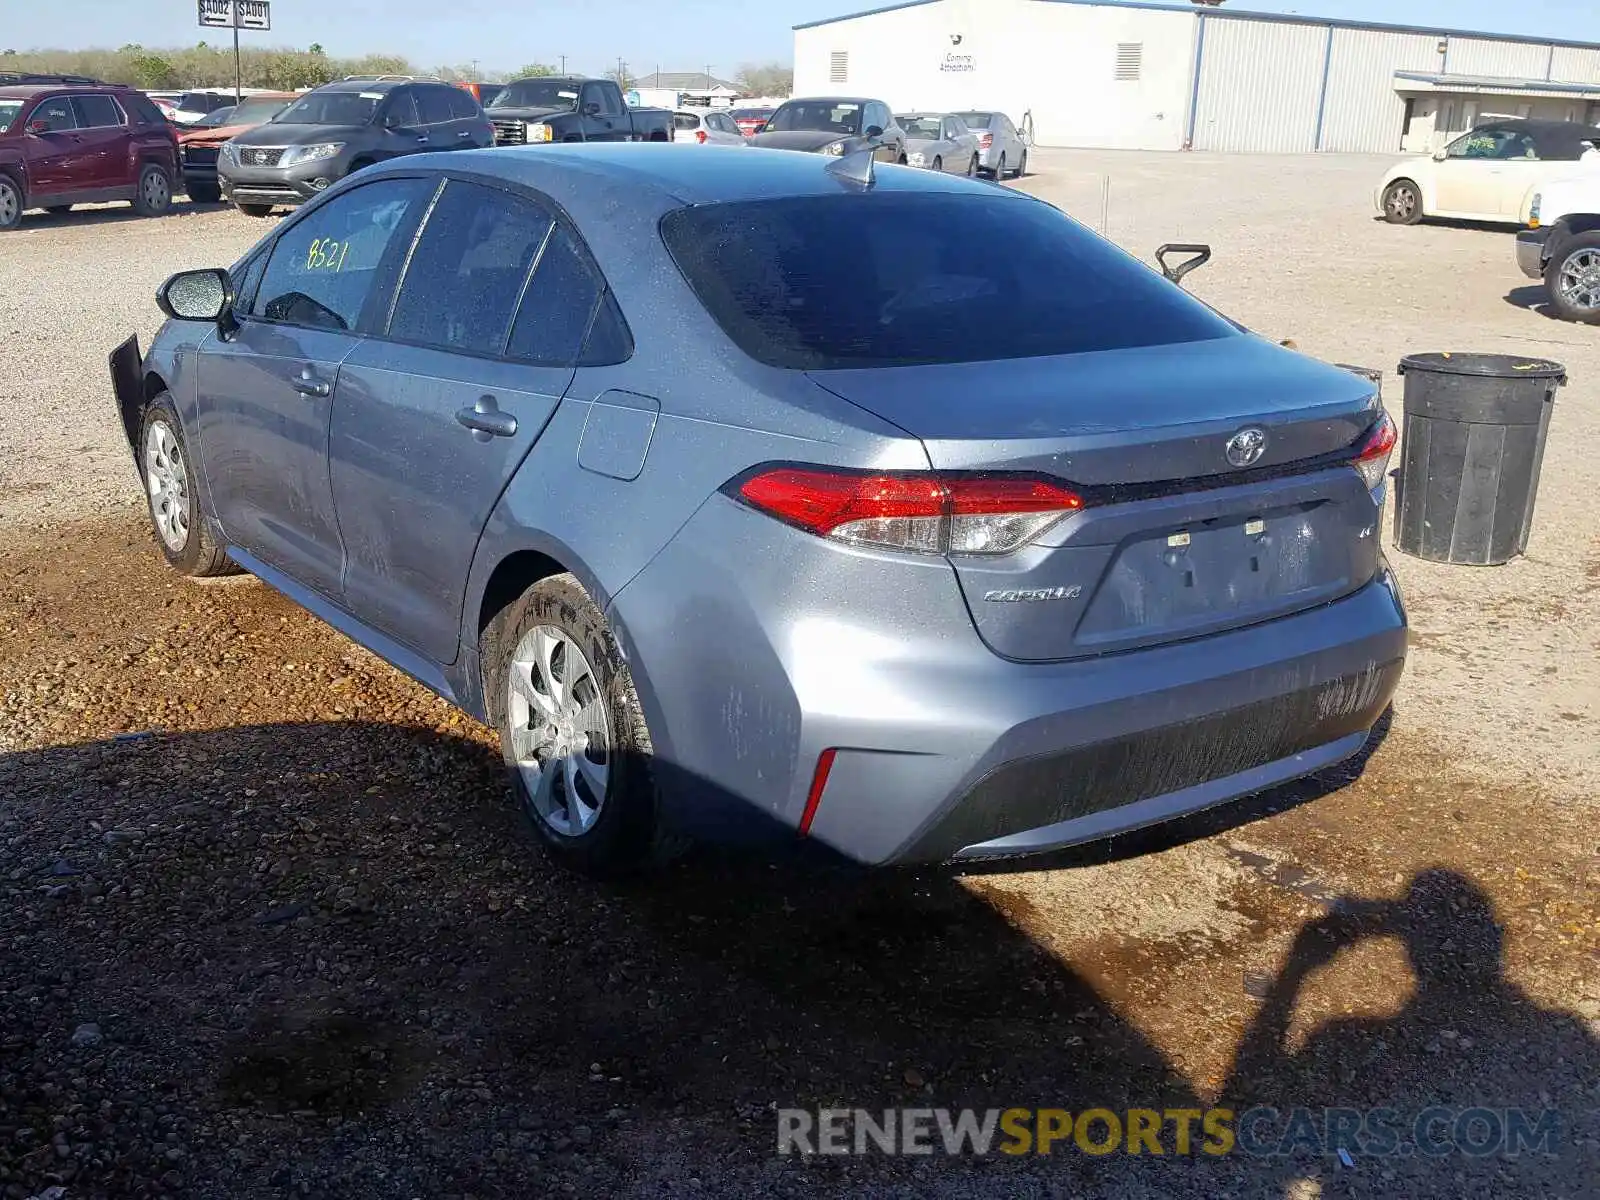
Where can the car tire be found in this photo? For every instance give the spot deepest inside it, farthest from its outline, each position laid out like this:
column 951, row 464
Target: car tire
column 11, row 202
column 1572, row 280
column 1000, row 168
column 256, row 210
column 153, row 197
column 204, row 193
column 164, row 465
column 552, row 675
column 1022, row 166
column 972, row 167
column 938, row 164
column 1402, row 203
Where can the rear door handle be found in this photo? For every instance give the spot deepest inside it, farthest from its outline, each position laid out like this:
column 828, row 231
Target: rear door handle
column 309, row 385
column 423, row 140
column 465, row 133
column 486, row 420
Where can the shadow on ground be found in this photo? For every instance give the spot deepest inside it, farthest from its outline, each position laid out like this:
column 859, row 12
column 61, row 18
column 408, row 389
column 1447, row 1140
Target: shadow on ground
column 333, row 959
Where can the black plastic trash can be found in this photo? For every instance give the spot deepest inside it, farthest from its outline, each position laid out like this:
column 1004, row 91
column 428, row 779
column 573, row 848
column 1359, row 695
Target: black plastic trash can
column 1473, row 443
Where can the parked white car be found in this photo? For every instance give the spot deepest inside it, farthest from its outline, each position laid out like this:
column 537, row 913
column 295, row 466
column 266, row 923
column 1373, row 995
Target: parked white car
column 707, row 126
column 1562, row 245
column 1487, row 174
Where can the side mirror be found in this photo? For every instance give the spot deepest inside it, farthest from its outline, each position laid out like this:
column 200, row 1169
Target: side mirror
column 205, row 295
column 1440, row 156
column 1199, row 256
column 592, row 108
column 874, row 130
column 37, row 127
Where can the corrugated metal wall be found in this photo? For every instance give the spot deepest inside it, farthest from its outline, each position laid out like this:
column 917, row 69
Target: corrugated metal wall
column 1259, row 85
column 1481, row 56
column 1363, row 113
column 1571, row 65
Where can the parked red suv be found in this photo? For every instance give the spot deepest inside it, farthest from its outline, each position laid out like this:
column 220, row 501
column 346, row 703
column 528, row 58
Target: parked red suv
column 68, row 140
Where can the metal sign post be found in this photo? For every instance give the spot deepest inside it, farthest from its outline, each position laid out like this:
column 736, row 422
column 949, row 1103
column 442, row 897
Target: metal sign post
column 236, row 15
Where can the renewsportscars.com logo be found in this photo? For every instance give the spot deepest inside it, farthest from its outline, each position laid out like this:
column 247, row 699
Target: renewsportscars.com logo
column 1257, row 1132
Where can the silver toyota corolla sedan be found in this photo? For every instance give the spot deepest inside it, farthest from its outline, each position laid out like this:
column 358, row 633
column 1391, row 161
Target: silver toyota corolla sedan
column 1001, row 148
column 763, row 495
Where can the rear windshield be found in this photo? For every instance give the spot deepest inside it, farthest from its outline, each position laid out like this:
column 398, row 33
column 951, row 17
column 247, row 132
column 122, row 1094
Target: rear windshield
column 8, row 113
column 895, row 279
column 820, row 116
column 975, row 120
column 331, row 108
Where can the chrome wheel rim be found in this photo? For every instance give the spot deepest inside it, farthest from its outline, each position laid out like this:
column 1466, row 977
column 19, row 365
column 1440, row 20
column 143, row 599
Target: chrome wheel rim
column 8, row 204
column 155, row 189
column 1402, row 202
column 167, row 480
column 1579, row 280
column 560, row 730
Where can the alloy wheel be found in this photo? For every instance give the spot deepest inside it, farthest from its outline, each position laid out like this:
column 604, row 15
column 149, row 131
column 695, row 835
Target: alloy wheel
column 10, row 204
column 167, row 480
column 560, row 730
column 1402, row 202
column 1579, row 280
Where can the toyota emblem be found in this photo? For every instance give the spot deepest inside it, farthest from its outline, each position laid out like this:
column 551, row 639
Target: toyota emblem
column 1246, row 447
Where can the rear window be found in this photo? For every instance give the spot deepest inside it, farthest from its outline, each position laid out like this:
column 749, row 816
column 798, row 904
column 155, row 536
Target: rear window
column 141, row 108
column 921, row 127
column 685, row 120
column 975, row 120
column 8, row 113
column 897, row 279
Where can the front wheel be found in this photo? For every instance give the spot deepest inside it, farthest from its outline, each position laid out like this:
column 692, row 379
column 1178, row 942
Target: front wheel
column 174, row 511
column 1402, row 203
column 1573, row 280
column 938, row 164
column 571, row 730
column 154, row 195
column 10, row 203
column 256, row 210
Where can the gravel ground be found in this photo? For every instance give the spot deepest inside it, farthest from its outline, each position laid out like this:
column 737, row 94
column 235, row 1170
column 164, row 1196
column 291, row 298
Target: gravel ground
column 270, row 927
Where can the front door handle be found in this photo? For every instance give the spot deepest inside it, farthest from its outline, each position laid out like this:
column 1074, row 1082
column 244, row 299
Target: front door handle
column 309, row 385
column 486, row 420
column 423, row 140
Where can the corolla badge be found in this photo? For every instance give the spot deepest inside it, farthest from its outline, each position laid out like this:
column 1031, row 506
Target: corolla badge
column 1246, row 446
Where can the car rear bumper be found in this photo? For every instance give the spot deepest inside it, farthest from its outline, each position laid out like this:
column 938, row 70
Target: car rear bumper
column 942, row 750
column 1531, row 244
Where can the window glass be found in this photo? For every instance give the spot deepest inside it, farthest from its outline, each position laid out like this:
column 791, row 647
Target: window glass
column 8, row 113
column 332, row 108
column 609, row 340
column 56, row 113
column 976, row 120
column 892, row 279
column 599, row 93
column 401, row 110
column 688, row 122
column 1482, row 143
column 555, row 94
column 325, row 267
column 462, row 106
column 246, row 279
column 434, row 105
column 555, row 313
column 140, row 108
column 96, row 112
column 921, row 127
column 468, row 269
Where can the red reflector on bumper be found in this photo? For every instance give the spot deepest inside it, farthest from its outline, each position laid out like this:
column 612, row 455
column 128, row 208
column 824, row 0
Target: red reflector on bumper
column 819, row 781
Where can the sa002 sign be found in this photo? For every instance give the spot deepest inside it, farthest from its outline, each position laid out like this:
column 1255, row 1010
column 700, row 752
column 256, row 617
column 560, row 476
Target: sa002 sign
column 243, row 14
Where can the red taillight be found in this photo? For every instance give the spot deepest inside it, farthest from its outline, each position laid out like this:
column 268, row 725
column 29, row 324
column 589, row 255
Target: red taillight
column 700, row 136
column 1372, row 454
column 819, row 781
column 986, row 140
column 917, row 511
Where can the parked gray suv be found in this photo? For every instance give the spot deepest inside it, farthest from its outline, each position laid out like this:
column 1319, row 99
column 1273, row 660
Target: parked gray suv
column 340, row 128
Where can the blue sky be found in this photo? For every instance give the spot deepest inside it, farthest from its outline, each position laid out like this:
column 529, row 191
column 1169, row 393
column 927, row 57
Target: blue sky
column 676, row 34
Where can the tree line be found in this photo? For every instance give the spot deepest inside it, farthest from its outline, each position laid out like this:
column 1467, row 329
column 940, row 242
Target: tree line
column 285, row 69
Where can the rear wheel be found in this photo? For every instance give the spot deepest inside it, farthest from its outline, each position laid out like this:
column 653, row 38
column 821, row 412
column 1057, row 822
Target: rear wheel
column 204, row 193
column 256, row 210
column 1402, row 203
column 10, row 203
column 571, row 729
column 938, row 164
column 1573, row 280
column 1000, row 168
column 154, row 196
column 972, row 167
column 174, row 511
column 1022, row 165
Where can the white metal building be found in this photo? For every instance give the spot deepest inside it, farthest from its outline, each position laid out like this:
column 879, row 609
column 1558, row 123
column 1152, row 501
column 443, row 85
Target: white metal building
column 1131, row 75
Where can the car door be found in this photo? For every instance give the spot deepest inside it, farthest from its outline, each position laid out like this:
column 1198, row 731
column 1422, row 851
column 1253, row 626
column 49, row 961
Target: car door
column 436, row 414
column 470, row 129
column 1467, row 180
column 436, row 115
column 601, row 113
column 889, row 146
column 723, row 130
column 266, row 394
column 53, row 147
column 104, row 138
column 402, row 125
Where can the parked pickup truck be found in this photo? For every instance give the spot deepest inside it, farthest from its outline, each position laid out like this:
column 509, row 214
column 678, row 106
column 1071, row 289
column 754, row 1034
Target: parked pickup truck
column 559, row 109
column 1562, row 245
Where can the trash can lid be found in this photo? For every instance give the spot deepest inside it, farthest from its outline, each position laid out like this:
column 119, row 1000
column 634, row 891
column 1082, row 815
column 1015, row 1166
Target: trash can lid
column 1499, row 366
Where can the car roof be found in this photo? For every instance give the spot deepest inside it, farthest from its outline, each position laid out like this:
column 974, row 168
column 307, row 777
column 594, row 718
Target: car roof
column 365, row 85
column 830, row 100
column 26, row 91
column 688, row 175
